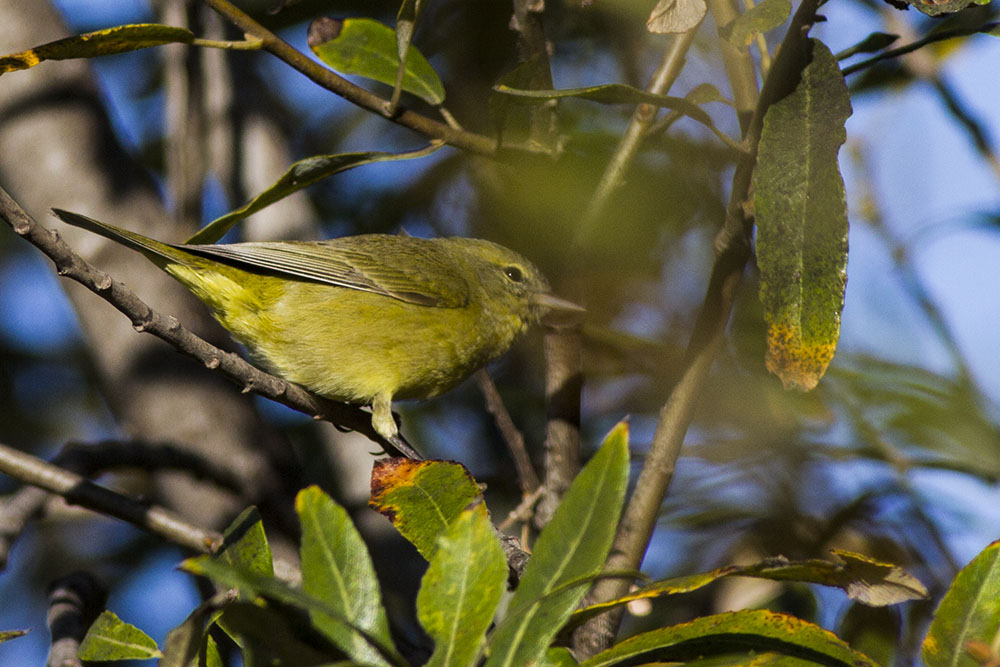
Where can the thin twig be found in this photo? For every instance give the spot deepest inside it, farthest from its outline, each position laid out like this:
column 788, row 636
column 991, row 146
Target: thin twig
column 78, row 490
column 474, row 143
column 526, row 476
column 28, row 502
column 924, row 41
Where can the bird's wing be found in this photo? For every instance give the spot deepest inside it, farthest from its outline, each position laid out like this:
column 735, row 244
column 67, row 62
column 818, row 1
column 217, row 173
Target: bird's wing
column 415, row 271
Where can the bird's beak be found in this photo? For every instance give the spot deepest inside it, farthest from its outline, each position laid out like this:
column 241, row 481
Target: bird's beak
column 558, row 312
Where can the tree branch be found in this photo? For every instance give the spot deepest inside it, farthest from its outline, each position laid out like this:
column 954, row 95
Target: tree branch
column 474, row 143
column 78, row 490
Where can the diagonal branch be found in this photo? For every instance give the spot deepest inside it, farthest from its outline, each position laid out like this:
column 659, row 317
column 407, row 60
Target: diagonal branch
column 327, row 78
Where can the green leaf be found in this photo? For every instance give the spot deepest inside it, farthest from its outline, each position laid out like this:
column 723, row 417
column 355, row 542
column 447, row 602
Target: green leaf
column 573, row 546
column 559, row 656
column 864, row 579
column 869, row 581
column 110, row 638
column 368, row 48
column 421, row 498
column 764, row 16
column 300, row 175
column 185, row 642
column 734, row 633
column 100, row 43
column 210, row 656
column 462, row 587
column 870, row 44
column 969, row 613
column 253, row 584
column 801, row 216
column 244, row 544
column 7, row 635
column 337, row 570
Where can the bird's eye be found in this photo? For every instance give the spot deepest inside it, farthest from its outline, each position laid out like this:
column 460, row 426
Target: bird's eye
column 513, row 273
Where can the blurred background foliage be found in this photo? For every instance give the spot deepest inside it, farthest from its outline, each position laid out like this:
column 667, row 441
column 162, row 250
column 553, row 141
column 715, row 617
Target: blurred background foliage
column 895, row 455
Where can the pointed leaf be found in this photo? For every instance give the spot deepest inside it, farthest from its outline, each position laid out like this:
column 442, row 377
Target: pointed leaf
column 766, row 15
column 867, row 580
column 7, row 635
column 870, row 44
column 252, row 584
column 801, row 216
column 864, row 579
column 185, row 642
column 573, row 545
column 368, row 48
column 461, row 589
column 969, row 613
column 735, row 633
column 300, row 175
column 100, row 43
column 244, row 544
column 337, row 570
column 110, row 638
column 421, row 497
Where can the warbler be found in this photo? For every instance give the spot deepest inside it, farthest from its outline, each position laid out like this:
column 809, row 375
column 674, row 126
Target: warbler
column 360, row 319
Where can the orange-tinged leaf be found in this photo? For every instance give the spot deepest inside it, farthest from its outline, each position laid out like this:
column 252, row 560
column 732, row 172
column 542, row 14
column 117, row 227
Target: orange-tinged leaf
column 421, row 498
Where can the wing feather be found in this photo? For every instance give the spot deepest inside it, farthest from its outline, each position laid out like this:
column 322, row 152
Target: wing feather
column 417, row 271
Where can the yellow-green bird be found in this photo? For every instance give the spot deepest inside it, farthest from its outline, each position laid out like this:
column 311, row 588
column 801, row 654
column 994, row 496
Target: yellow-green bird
column 361, row 319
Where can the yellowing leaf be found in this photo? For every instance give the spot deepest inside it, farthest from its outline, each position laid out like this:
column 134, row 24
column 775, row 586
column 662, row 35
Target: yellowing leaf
column 801, row 216
column 100, row 43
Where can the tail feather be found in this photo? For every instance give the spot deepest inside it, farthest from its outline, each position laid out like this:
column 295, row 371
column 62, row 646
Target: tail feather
column 155, row 250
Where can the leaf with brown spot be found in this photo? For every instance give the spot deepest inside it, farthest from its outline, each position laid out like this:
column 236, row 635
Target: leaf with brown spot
column 421, row 498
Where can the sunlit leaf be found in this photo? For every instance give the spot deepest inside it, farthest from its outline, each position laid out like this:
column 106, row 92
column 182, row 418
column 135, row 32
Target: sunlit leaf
column 100, row 43
column 571, row 548
column 337, row 570
column 734, row 633
column 461, row 589
column 969, row 612
column 368, row 48
column 253, row 584
column 801, row 216
column 7, row 635
column 244, row 544
column 421, row 498
column 110, row 638
column 765, row 16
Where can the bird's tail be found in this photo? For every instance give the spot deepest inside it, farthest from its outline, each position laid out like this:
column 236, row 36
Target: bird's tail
column 157, row 251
